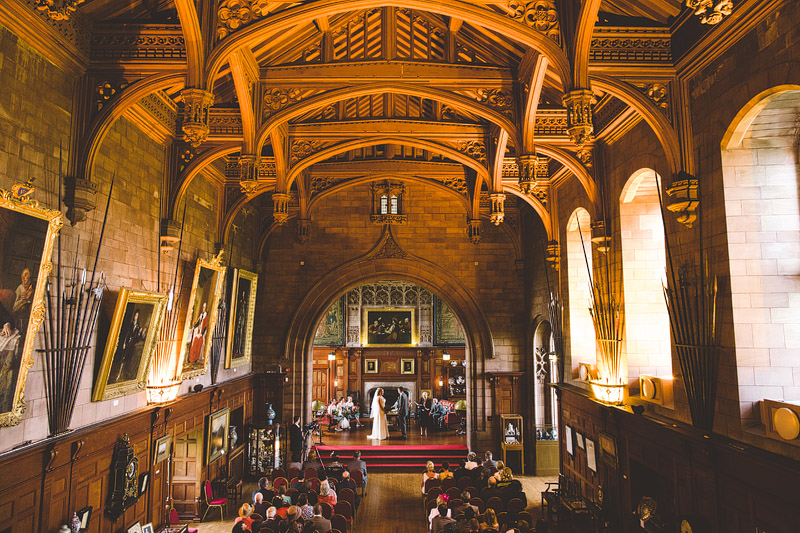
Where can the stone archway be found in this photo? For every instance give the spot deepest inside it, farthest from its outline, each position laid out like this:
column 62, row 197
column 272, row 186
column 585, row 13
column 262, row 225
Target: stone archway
column 300, row 335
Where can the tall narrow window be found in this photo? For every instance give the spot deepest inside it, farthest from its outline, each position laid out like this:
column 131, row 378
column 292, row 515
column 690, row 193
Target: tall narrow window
column 394, row 204
column 387, row 203
column 384, row 205
column 581, row 329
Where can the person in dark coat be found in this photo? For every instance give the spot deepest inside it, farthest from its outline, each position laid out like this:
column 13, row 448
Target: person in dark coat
column 424, row 413
column 296, row 440
column 347, row 483
column 402, row 411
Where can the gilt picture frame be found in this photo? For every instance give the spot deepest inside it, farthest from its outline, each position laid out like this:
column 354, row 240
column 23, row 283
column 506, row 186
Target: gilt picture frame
column 130, row 344
column 370, row 366
column 201, row 317
column 241, row 314
column 28, row 233
column 389, row 326
column 407, row 366
column 217, row 441
column 162, row 447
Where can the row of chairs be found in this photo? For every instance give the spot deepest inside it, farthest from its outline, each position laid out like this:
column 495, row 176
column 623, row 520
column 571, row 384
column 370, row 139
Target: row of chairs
column 340, row 515
column 279, row 478
column 515, row 505
column 462, row 483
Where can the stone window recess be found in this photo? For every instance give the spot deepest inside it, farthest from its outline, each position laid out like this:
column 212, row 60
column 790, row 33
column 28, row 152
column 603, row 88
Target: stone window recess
column 582, row 341
column 387, row 203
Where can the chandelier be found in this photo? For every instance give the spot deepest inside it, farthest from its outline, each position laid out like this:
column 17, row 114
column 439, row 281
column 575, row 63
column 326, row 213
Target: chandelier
column 58, row 9
column 710, row 11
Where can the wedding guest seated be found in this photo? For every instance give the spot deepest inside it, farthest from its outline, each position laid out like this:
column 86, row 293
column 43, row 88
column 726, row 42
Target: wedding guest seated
column 298, row 485
column 263, row 488
column 282, row 493
column 244, row 515
column 306, row 511
column 313, row 498
column 489, row 465
column 290, row 523
column 472, row 461
column 473, row 527
column 259, row 507
column 464, row 505
column 514, row 490
column 438, row 414
column 347, row 483
column 441, row 520
column 464, row 518
column 357, row 464
column 505, row 478
column 461, row 471
column 321, row 524
column 445, row 473
column 335, row 467
column 271, row 520
column 326, row 494
column 491, row 491
column 280, row 507
column 239, row 527
column 490, row 521
column 430, row 473
column 440, row 500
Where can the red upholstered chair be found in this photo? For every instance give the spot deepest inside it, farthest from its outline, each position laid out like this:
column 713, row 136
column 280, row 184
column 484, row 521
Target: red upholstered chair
column 293, row 480
column 279, row 482
column 496, row 504
column 464, row 482
column 293, row 472
column 433, row 482
column 339, row 522
column 347, row 495
column 453, row 492
column 213, row 501
column 293, row 494
column 515, row 506
column 278, row 472
column 332, row 483
column 174, row 520
column 311, row 473
column 357, row 477
column 449, row 483
column 346, row 510
column 314, row 483
column 327, row 510
column 478, row 502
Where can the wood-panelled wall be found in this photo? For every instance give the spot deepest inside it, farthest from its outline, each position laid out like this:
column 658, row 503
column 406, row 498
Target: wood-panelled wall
column 728, row 486
column 42, row 485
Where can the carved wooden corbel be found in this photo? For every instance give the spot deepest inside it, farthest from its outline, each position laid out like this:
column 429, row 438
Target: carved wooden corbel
column 579, row 115
column 686, row 198
column 474, row 230
column 80, row 199
column 280, row 201
column 497, row 214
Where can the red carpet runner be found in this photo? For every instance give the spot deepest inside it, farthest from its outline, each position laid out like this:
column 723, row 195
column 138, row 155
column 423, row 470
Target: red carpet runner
column 398, row 457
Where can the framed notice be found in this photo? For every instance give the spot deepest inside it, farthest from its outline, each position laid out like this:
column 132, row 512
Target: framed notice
column 568, row 439
column 591, row 459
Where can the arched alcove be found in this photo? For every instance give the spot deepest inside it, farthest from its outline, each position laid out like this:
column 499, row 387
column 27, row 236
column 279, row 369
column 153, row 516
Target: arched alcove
column 579, row 252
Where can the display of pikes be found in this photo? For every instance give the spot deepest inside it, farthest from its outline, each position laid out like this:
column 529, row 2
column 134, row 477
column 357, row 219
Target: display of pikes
column 691, row 298
column 555, row 310
column 71, row 317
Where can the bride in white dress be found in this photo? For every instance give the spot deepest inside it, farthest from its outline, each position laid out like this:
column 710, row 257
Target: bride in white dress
column 380, row 427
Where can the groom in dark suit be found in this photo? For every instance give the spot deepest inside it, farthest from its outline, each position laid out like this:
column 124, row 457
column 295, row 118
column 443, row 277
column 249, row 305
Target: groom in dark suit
column 402, row 411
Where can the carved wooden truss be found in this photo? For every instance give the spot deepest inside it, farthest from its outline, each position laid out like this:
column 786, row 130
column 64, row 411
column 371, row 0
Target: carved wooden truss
column 486, row 99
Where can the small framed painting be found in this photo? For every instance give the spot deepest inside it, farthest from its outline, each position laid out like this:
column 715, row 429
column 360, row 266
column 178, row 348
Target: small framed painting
column 147, row 528
column 85, row 516
column 591, row 460
column 407, row 366
column 608, row 449
column 429, row 391
column 568, row 439
column 144, row 480
column 579, row 439
column 135, row 528
column 217, row 434
column 162, row 448
column 370, row 366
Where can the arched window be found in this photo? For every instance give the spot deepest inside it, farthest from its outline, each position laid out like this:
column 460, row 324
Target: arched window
column 581, row 329
column 394, row 204
column 384, row 205
column 762, row 211
column 647, row 341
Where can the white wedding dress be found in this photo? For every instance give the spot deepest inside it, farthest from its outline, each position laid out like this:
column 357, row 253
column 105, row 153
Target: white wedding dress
column 380, row 427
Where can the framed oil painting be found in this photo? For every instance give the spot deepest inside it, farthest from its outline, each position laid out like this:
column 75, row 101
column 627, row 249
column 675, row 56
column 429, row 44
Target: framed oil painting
column 407, row 366
column 389, row 326
column 27, row 233
column 447, row 330
column 162, row 448
column 330, row 331
column 217, row 434
column 242, row 305
column 370, row 366
column 608, row 449
column 201, row 315
column 130, row 344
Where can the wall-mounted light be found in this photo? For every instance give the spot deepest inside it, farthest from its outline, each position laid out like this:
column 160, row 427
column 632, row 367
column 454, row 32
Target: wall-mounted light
column 335, row 382
column 441, row 383
column 445, row 355
column 332, row 356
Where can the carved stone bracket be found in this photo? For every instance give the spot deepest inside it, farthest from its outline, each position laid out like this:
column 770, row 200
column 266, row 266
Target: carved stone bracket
column 474, row 230
column 233, row 14
column 533, row 170
column 474, row 149
column 303, row 230
column 302, row 148
column 686, row 199
column 58, row 10
column 553, row 254
column 579, row 115
column 600, row 236
column 280, row 212
column 80, row 199
column 248, row 173
column 195, row 115
column 497, row 99
column 497, row 213
column 170, row 234
column 658, row 93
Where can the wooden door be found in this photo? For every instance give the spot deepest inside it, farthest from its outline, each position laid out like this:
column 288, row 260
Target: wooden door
column 186, row 469
column 319, row 386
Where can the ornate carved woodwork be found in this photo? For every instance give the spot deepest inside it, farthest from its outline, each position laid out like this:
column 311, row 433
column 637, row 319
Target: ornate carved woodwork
column 497, row 213
column 541, row 15
column 685, row 196
column 280, row 202
column 474, row 230
column 631, row 45
column 532, row 172
column 195, row 115
column 248, row 173
column 579, row 115
column 161, row 44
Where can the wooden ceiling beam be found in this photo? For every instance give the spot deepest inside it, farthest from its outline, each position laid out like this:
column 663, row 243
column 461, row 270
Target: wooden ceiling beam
column 396, row 127
column 244, row 70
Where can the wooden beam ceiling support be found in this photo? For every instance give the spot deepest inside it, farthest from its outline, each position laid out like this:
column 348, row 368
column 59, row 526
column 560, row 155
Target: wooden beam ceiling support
column 366, row 128
column 193, row 39
column 583, row 42
column 531, row 104
column 244, row 70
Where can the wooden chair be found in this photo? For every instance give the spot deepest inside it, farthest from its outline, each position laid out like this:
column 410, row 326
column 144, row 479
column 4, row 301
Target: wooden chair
column 464, row 482
column 453, row 492
column 327, row 510
column 357, row 477
column 496, row 504
column 477, row 501
column 293, row 494
column 502, row 519
column 311, row 473
column 339, row 522
column 433, row 493
column 526, row 516
column 448, row 483
column 293, row 472
column 347, row 495
column 515, row 506
column 433, row 482
column 454, row 502
column 212, row 501
column 279, row 482
column 175, row 520
column 429, row 505
column 344, row 509
column 278, row 472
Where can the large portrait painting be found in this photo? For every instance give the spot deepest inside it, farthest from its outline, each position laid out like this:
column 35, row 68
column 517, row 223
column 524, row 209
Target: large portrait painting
column 330, row 331
column 201, row 316
column 217, row 434
column 447, row 329
column 242, row 305
column 390, row 326
column 130, row 345
column 27, row 234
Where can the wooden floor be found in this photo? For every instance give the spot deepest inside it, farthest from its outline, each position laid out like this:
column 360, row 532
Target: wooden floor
column 393, row 505
column 359, row 436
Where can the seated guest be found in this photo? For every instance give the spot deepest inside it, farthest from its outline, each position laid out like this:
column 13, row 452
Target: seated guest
column 357, row 464
column 445, row 473
column 308, row 527
column 472, row 462
column 441, row 520
column 461, row 471
column 280, row 507
column 510, row 523
column 473, row 527
column 259, row 507
column 255, row 527
column 263, row 488
column 321, row 524
column 244, row 515
column 491, row 491
column 505, row 478
column 239, row 527
column 282, row 493
column 298, row 485
column 465, row 518
column 347, row 483
column 490, row 521
column 429, row 473
column 326, row 494
column 335, row 468
column 438, row 414
column 271, row 520
column 440, row 500
column 489, row 465
column 313, row 498
column 304, row 510
column 290, row 523
column 514, row 490
column 465, row 505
